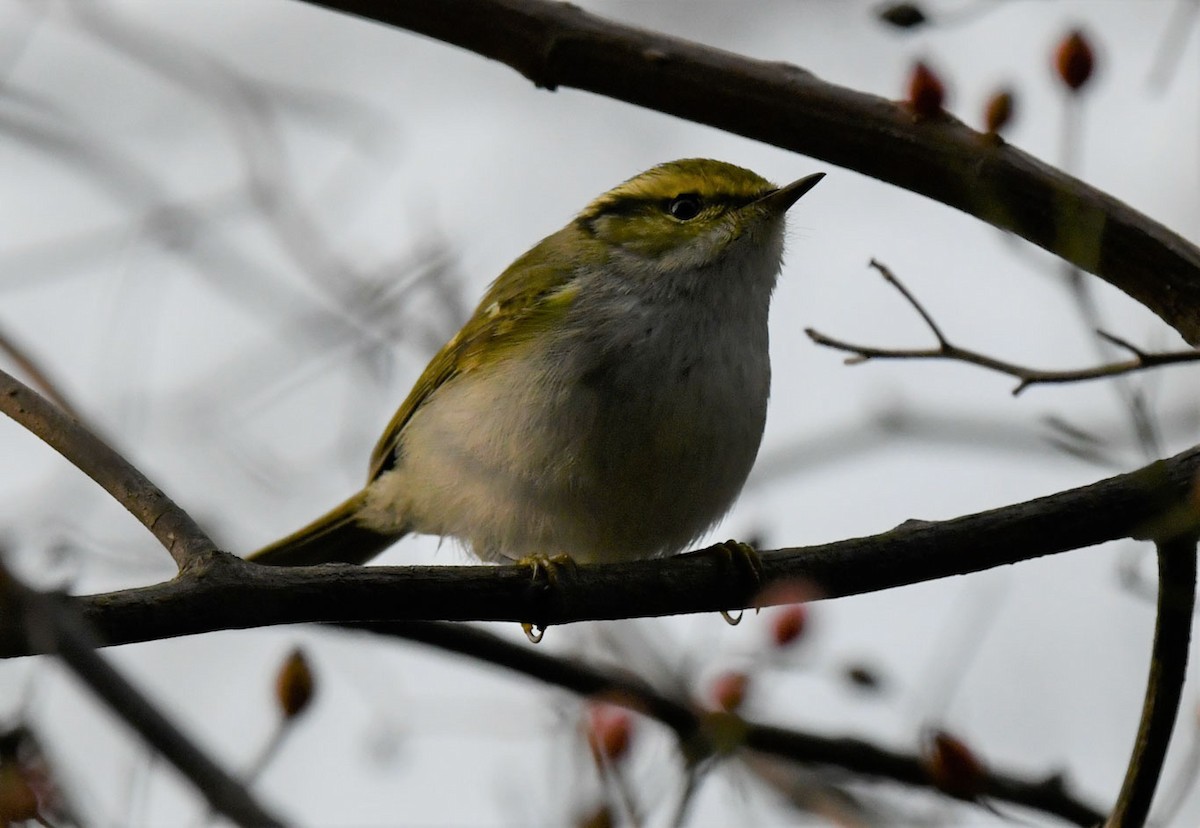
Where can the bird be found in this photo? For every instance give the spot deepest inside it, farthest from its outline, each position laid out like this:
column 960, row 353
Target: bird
column 606, row 399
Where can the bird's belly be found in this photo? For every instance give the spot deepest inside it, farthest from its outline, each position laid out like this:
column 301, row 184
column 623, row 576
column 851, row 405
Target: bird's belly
column 524, row 461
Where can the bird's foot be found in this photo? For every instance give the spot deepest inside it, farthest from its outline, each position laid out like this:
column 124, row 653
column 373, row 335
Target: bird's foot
column 745, row 559
column 545, row 571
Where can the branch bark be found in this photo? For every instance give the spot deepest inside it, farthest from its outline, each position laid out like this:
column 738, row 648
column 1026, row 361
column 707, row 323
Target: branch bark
column 556, row 44
column 173, row 527
column 1164, row 687
column 221, row 592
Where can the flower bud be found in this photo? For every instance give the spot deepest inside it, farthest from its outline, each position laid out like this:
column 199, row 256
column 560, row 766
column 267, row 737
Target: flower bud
column 1074, row 60
column 789, row 624
column 953, row 767
column 926, row 92
column 729, row 690
column 294, row 685
column 998, row 112
column 609, row 731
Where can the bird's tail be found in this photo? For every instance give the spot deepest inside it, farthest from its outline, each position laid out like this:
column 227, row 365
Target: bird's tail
column 336, row 537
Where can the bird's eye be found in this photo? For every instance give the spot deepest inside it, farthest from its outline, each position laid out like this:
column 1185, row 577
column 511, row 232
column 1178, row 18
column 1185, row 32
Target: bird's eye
column 684, row 207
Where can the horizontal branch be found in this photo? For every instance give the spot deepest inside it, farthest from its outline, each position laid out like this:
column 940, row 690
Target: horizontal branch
column 223, row 592
column 557, row 44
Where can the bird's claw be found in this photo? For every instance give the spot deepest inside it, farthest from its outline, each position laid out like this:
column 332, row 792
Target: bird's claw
column 744, row 558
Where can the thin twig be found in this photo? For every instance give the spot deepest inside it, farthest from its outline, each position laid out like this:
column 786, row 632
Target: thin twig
column 1164, row 687
column 173, row 527
column 57, row 627
column 1025, row 375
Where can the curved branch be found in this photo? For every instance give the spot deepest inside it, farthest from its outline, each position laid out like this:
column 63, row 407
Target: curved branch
column 173, row 527
column 220, row 591
column 855, row 755
column 557, row 44
column 1164, row 687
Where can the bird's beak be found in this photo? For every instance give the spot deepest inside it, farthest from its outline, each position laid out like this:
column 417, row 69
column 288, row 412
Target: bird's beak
column 780, row 200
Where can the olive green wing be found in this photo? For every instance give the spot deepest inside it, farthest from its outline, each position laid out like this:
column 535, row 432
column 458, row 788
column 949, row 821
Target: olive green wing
column 525, row 301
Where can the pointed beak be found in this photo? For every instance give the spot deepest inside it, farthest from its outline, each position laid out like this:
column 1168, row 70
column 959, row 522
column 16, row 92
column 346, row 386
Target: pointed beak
column 779, row 201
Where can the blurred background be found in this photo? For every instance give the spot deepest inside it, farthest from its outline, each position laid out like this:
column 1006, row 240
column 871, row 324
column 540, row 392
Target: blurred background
column 231, row 235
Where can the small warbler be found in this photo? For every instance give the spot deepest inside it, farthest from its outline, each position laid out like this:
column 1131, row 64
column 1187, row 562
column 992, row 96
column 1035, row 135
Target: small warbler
column 607, row 398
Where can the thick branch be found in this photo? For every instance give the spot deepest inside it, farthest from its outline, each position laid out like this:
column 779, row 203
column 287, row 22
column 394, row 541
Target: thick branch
column 556, row 44
column 173, row 527
column 223, row 592
column 855, row 755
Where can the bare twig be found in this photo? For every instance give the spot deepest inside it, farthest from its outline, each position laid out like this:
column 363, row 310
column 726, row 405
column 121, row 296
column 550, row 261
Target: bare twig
column 558, row 44
column 1026, row 376
column 691, row 727
column 173, row 527
column 54, row 625
column 1164, row 687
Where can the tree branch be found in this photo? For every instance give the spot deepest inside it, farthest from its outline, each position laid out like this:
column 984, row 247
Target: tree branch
column 947, row 350
column 53, row 624
column 220, row 591
column 557, row 44
column 689, row 725
column 1164, row 687
column 173, row 527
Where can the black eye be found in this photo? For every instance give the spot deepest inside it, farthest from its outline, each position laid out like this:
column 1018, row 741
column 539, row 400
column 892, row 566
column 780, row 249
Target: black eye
column 685, row 206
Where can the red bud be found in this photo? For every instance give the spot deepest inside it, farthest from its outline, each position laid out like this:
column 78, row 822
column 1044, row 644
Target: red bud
column 789, row 624
column 1074, row 60
column 953, row 767
column 926, row 92
column 609, row 730
column 294, row 685
column 999, row 111
column 729, row 690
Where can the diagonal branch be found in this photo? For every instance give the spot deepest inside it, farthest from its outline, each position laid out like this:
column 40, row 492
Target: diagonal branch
column 557, row 44
column 54, row 625
column 173, row 527
column 855, row 755
column 946, row 350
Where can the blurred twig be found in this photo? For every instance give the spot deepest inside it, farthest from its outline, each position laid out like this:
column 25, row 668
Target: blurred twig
column 56, row 627
column 694, row 729
column 36, row 373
